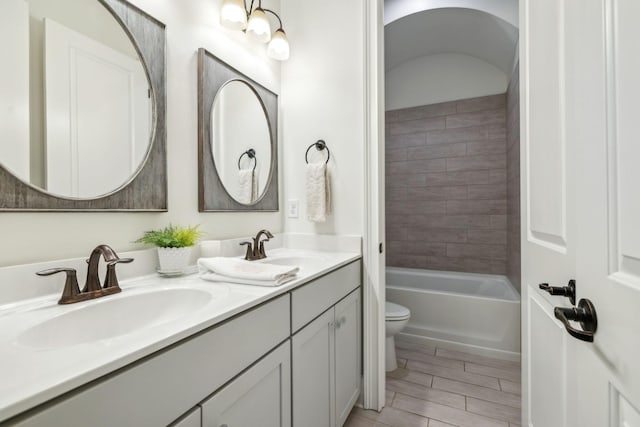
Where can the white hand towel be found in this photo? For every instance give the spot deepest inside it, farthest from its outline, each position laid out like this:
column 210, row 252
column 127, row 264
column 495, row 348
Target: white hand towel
column 318, row 189
column 246, row 188
column 235, row 270
column 254, row 187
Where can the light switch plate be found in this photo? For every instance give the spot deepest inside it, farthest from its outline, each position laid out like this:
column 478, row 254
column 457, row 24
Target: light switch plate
column 292, row 208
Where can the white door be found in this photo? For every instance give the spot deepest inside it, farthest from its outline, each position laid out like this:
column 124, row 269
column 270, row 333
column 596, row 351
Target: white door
column 581, row 210
column 14, row 87
column 347, row 355
column 374, row 234
column 97, row 114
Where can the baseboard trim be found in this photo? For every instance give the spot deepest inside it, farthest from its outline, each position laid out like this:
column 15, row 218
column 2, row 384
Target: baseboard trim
column 456, row 346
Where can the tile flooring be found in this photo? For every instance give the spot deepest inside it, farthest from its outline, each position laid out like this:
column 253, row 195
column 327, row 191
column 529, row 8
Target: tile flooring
column 434, row 387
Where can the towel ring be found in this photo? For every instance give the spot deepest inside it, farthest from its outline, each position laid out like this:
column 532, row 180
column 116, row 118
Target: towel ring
column 320, row 145
column 251, row 153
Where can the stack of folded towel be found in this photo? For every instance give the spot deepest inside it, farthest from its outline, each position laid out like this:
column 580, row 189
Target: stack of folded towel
column 235, row 270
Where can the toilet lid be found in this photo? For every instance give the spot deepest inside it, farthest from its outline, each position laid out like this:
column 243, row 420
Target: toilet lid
column 396, row 311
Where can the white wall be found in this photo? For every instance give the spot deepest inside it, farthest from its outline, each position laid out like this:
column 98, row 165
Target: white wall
column 440, row 78
column 322, row 98
column 32, row 237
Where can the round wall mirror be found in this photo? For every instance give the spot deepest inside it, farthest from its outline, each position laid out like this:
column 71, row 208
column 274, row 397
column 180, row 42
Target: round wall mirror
column 241, row 141
column 76, row 108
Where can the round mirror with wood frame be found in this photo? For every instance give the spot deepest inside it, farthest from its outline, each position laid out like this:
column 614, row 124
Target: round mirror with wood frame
column 88, row 106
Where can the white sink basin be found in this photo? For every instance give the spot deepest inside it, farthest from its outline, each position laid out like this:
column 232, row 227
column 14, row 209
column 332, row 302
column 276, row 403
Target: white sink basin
column 114, row 316
column 304, row 262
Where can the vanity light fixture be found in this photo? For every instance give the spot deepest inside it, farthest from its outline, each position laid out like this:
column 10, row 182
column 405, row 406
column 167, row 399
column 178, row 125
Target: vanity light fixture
column 254, row 21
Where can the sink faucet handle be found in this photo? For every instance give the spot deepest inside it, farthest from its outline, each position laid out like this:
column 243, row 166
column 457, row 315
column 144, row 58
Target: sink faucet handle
column 249, row 254
column 267, row 234
column 121, row 261
column 111, row 280
column 71, row 288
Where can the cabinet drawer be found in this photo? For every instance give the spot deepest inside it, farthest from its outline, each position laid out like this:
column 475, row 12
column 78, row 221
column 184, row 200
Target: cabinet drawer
column 310, row 300
column 158, row 390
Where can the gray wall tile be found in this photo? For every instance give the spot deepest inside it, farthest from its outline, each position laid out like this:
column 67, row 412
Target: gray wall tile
column 481, row 103
column 447, row 186
column 491, row 161
column 474, row 133
column 416, row 126
column 491, row 146
column 437, row 151
column 417, row 166
column 478, row 118
column 489, row 192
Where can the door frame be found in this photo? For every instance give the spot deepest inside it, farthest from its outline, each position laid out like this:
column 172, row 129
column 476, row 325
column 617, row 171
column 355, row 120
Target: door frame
column 373, row 214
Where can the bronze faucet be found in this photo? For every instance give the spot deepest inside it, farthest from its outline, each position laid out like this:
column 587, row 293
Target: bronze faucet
column 256, row 251
column 92, row 288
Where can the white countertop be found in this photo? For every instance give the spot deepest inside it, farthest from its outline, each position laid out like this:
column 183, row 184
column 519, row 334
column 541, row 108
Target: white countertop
column 30, row 376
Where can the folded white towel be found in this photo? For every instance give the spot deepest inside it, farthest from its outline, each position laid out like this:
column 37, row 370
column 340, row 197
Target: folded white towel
column 248, row 186
column 212, row 277
column 235, row 270
column 318, row 189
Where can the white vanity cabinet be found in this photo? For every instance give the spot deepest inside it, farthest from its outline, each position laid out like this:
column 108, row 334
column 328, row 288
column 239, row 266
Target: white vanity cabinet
column 160, row 389
column 326, row 359
column 294, row 360
column 261, row 396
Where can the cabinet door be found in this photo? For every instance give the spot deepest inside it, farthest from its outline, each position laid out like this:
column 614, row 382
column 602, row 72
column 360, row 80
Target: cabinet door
column 259, row 397
column 347, row 354
column 193, row 419
column 313, row 373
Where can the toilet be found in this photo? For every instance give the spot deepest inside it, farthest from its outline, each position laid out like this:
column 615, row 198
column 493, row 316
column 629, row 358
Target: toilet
column 396, row 318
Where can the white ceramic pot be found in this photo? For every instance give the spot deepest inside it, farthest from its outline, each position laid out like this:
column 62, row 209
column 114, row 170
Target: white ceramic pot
column 173, row 259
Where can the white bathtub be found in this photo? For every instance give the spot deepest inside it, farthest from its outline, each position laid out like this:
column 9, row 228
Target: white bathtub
column 477, row 313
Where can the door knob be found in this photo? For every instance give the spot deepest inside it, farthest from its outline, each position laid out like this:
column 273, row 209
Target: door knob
column 568, row 291
column 585, row 313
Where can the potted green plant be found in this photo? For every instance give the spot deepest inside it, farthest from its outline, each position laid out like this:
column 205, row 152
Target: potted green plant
column 174, row 246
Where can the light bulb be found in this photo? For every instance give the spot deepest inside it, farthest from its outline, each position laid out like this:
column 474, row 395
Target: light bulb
column 279, row 46
column 233, row 15
column 258, row 26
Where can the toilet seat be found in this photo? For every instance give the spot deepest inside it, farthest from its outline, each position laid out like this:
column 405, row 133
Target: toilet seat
column 396, row 312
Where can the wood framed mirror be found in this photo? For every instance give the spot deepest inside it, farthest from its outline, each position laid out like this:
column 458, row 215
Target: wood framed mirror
column 82, row 122
column 237, row 140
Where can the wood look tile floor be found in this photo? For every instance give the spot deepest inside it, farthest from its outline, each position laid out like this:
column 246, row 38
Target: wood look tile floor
column 435, row 387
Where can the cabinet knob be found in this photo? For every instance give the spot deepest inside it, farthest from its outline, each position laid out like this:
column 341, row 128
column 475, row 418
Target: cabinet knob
column 341, row 321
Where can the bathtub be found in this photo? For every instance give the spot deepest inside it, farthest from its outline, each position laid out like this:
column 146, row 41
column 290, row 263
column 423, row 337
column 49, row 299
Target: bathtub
column 476, row 313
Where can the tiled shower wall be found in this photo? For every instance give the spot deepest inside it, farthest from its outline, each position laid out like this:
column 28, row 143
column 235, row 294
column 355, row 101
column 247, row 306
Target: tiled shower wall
column 446, row 186
column 513, row 179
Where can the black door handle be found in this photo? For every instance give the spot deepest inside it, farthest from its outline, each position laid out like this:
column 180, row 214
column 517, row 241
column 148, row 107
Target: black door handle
column 568, row 291
column 585, row 313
